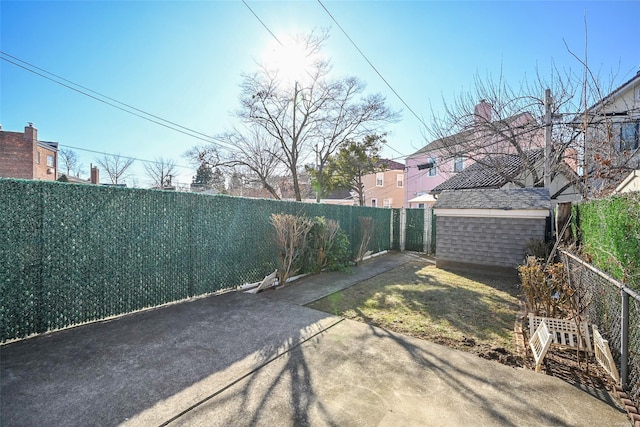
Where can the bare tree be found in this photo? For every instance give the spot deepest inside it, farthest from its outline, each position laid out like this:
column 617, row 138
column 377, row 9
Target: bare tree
column 495, row 123
column 311, row 115
column 160, row 172
column 68, row 160
column 115, row 166
column 246, row 149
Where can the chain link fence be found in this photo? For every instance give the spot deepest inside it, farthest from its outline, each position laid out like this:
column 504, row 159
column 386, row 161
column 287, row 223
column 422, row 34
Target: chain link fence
column 71, row 253
column 601, row 298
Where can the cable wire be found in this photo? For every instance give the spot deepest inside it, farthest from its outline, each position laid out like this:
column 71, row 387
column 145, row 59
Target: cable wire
column 371, row 64
column 147, row 116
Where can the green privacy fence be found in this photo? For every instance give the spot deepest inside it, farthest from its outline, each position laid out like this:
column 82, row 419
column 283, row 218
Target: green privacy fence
column 76, row 253
column 415, row 230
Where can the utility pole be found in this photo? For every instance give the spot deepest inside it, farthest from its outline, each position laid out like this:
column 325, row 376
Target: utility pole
column 547, row 138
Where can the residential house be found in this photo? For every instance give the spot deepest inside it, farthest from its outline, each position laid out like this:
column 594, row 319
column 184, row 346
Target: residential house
column 385, row 188
column 22, row 155
column 483, row 136
column 502, row 171
column 611, row 130
column 93, row 179
column 342, row 197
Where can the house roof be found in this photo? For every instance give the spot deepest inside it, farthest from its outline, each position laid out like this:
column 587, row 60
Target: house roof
column 425, row 198
column 53, row 146
column 493, row 175
column 391, row 164
column 514, row 199
column 339, row 194
column 598, row 105
column 463, row 136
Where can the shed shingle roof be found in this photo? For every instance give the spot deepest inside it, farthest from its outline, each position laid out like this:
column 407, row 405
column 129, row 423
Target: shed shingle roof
column 513, row 199
column 493, row 175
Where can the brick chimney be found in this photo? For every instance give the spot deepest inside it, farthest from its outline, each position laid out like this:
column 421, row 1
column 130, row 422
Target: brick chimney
column 30, row 133
column 95, row 175
column 482, row 112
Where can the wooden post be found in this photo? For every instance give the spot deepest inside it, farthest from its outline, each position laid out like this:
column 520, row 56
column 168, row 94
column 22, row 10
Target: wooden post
column 563, row 215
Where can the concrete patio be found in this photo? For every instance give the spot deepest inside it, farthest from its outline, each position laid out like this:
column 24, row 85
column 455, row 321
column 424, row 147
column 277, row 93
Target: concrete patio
column 241, row 359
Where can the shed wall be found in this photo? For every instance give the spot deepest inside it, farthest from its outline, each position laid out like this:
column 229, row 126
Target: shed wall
column 486, row 241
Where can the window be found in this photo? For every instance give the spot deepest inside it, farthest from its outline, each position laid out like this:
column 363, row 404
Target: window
column 386, row 203
column 433, row 170
column 50, row 161
column 374, row 203
column 379, row 179
column 458, row 164
column 420, row 205
column 629, row 136
column 37, row 157
column 400, row 180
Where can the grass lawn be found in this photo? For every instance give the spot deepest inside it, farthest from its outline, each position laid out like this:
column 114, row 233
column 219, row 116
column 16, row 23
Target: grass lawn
column 468, row 311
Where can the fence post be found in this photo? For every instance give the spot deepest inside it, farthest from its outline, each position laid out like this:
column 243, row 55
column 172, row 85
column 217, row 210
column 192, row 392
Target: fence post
column 403, row 228
column 624, row 339
column 427, row 230
column 391, row 229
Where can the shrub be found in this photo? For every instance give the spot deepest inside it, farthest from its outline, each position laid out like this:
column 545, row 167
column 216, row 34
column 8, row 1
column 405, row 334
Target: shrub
column 291, row 235
column 327, row 246
column 366, row 231
column 546, row 289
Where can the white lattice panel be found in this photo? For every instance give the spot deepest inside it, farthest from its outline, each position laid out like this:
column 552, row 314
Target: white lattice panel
column 603, row 354
column 540, row 342
column 564, row 332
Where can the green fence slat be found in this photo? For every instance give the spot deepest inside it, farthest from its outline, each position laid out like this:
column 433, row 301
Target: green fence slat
column 73, row 253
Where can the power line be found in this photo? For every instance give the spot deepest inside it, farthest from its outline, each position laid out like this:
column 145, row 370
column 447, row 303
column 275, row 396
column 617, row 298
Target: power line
column 371, row 64
column 147, row 116
column 263, row 24
column 280, row 43
column 121, row 156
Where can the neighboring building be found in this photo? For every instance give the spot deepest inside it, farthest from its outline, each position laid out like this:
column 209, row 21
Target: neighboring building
column 612, row 137
column 385, row 189
column 500, row 171
column 630, row 184
column 93, row 179
column 445, row 157
column 489, row 228
column 422, row 201
column 22, row 155
column 337, row 197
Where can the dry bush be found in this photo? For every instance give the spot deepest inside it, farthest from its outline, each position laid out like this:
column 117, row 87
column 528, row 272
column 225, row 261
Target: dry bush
column 291, row 234
column 366, row 231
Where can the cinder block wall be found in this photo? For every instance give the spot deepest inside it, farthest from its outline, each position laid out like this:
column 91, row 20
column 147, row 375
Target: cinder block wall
column 496, row 242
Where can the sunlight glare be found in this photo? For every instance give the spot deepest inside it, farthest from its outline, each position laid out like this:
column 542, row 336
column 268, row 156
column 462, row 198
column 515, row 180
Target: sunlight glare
column 290, row 61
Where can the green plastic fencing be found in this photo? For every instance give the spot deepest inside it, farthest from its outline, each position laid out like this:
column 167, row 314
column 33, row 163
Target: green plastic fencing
column 71, row 253
column 396, row 229
column 415, row 230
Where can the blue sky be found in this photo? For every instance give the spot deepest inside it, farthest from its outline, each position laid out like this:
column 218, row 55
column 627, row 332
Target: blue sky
column 183, row 61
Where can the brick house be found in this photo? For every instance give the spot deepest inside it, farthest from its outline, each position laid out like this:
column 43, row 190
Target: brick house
column 22, row 155
column 385, row 189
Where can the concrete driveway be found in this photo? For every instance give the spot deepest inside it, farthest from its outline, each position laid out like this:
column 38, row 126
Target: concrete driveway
column 241, row 359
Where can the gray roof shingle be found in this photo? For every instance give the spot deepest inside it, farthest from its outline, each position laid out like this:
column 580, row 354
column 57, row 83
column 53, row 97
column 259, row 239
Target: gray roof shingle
column 514, row 199
column 491, row 175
